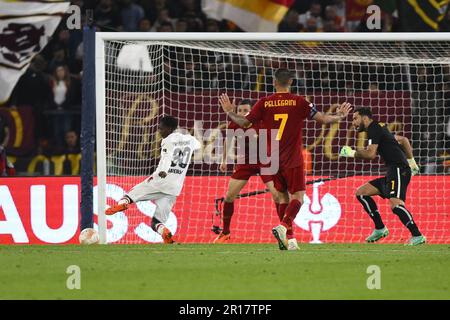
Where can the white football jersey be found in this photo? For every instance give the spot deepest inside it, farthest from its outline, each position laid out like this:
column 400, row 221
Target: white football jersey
column 176, row 153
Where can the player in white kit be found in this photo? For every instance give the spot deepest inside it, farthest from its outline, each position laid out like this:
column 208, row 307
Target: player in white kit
column 165, row 184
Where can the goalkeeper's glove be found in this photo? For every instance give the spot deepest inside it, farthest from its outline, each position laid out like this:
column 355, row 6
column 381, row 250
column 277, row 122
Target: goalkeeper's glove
column 347, row 151
column 414, row 167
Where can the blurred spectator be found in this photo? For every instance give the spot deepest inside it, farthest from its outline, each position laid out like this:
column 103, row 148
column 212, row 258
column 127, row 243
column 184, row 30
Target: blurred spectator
column 106, row 15
column 58, row 56
column 62, row 88
column 195, row 24
column 290, row 22
column 6, row 168
column 72, row 142
column 178, row 8
column 33, row 89
column 181, row 25
column 131, row 13
column 315, row 11
column 212, row 26
column 311, row 25
column 165, row 27
column 145, row 25
column 163, row 17
column 63, row 95
column 332, row 17
column 153, row 8
column 4, row 134
column 4, row 138
column 340, row 9
column 330, row 26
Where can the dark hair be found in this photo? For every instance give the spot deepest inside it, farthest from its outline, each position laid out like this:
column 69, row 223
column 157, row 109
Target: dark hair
column 364, row 112
column 169, row 121
column 246, row 101
column 166, row 24
column 283, row 76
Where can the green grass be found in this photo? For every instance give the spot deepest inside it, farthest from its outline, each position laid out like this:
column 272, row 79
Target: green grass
column 225, row 272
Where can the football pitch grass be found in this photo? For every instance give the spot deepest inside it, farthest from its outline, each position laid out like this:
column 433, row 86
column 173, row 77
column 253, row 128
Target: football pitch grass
column 231, row 271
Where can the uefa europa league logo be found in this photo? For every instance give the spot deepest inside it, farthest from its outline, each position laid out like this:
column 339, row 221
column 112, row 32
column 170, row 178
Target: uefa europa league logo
column 319, row 215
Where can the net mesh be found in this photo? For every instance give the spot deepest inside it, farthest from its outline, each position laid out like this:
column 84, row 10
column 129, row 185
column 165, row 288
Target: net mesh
column 406, row 84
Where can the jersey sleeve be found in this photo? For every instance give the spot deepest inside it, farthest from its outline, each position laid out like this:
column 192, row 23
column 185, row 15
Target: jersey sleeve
column 312, row 111
column 195, row 144
column 374, row 134
column 166, row 155
column 308, row 110
column 257, row 112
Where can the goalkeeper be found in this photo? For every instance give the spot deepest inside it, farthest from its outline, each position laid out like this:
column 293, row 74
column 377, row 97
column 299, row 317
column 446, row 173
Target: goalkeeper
column 393, row 186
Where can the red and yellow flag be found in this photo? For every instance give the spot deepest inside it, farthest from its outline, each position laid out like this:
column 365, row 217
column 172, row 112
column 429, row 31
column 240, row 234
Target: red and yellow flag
column 249, row 15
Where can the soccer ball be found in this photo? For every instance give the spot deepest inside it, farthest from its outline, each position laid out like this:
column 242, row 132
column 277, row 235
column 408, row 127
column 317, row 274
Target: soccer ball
column 89, row 236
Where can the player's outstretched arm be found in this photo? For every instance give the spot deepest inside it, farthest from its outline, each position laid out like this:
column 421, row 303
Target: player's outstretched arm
column 341, row 113
column 229, row 108
column 406, row 147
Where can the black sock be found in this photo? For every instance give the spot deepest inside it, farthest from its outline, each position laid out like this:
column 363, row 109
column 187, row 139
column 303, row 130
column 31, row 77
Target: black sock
column 407, row 219
column 371, row 208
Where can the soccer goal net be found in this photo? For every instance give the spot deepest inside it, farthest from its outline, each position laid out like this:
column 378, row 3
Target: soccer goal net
column 141, row 77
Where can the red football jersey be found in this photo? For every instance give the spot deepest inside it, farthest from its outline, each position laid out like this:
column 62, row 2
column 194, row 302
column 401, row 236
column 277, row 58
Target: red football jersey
column 234, row 126
column 286, row 113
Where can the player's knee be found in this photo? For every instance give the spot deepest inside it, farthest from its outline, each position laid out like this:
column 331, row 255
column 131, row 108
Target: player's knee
column 394, row 202
column 296, row 196
column 275, row 197
column 230, row 197
column 360, row 192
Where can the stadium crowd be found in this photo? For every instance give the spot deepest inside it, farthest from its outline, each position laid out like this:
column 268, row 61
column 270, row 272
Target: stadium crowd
column 51, row 86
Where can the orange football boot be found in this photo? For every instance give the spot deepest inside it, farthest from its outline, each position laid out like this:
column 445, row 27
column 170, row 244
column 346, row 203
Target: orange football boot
column 167, row 236
column 116, row 208
column 222, row 238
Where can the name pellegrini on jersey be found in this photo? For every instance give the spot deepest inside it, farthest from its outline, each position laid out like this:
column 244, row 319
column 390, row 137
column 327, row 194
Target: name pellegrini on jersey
column 280, row 103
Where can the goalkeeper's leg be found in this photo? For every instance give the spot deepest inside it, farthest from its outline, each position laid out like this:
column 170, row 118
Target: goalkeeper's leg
column 397, row 196
column 364, row 195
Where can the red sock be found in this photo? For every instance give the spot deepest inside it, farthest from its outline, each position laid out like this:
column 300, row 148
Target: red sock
column 291, row 213
column 281, row 210
column 228, row 209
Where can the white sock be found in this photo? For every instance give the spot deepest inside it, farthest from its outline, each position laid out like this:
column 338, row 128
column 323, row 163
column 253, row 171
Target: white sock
column 159, row 228
column 124, row 201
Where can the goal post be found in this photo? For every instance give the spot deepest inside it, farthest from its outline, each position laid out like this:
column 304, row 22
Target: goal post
column 403, row 77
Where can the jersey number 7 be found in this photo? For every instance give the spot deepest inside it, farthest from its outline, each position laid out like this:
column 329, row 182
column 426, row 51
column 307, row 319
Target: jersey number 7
column 283, row 117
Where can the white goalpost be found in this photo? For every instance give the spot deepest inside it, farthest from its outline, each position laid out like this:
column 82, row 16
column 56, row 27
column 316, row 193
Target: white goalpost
column 404, row 78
